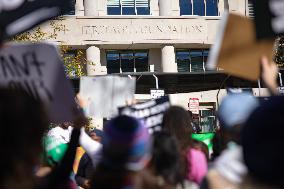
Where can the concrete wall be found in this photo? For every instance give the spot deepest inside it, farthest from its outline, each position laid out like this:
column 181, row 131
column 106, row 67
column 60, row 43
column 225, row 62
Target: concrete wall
column 136, row 31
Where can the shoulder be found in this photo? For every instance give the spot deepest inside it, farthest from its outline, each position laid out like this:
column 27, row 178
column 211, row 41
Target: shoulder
column 194, row 153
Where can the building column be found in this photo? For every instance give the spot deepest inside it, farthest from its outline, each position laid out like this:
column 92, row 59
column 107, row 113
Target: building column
column 93, row 55
column 168, row 59
column 165, row 7
column 237, row 6
column 79, row 8
column 91, row 7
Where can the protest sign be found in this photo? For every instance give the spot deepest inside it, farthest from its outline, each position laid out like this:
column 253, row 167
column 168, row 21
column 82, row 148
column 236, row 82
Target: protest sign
column 193, row 105
column 236, row 49
column 151, row 112
column 38, row 70
column 269, row 18
column 106, row 93
column 17, row 16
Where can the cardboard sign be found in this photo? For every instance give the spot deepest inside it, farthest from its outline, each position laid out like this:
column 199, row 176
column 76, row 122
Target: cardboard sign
column 269, row 18
column 38, row 69
column 236, row 49
column 157, row 93
column 17, row 16
column 106, row 93
column 193, row 105
column 150, row 112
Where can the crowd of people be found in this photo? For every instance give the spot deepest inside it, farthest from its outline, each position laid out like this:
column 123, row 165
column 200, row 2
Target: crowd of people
column 124, row 155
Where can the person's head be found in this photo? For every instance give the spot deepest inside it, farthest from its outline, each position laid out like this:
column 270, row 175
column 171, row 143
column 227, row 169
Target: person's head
column 165, row 159
column 96, row 134
column 202, row 147
column 262, row 141
column 177, row 121
column 22, row 122
column 126, row 151
column 233, row 112
column 65, row 125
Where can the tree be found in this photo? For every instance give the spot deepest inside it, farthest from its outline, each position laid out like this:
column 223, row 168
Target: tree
column 279, row 52
column 75, row 64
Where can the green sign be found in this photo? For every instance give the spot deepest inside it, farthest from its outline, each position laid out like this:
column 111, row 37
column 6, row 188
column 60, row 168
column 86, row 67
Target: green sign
column 206, row 138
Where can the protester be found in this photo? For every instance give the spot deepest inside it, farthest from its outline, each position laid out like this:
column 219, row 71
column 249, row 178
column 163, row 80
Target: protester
column 86, row 168
column 262, row 141
column 177, row 121
column 62, row 132
column 163, row 171
column 126, row 152
column 23, row 123
column 199, row 145
column 228, row 169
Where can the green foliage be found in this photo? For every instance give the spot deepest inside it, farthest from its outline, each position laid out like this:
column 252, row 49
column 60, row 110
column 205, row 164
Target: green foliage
column 279, row 53
column 74, row 65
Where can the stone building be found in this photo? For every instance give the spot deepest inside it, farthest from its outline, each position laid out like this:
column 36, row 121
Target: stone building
column 141, row 37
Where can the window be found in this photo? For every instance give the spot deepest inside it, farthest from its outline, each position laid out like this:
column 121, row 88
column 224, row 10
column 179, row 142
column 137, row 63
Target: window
column 127, row 61
column 191, row 60
column 199, row 7
column 183, row 61
column 113, row 62
column 72, row 5
column 128, row 7
column 185, row 7
column 250, row 11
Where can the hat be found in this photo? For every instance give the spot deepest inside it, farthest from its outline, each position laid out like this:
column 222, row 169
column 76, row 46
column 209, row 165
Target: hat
column 126, row 144
column 235, row 109
column 263, row 141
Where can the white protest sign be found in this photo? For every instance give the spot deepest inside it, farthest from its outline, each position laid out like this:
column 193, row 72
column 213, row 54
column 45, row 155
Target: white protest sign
column 37, row 69
column 106, row 93
column 157, row 93
column 194, row 105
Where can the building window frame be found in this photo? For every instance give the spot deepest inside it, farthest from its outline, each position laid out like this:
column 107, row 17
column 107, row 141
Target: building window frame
column 204, row 52
column 191, row 3
column 137, row 55
column 121, row 5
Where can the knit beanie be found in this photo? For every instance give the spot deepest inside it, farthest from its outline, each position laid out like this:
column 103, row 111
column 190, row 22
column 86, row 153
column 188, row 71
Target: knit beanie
column 263, row 141
column 126, row 144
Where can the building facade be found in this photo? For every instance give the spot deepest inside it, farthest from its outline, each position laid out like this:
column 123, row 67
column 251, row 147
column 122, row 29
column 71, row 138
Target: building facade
column 144, row 36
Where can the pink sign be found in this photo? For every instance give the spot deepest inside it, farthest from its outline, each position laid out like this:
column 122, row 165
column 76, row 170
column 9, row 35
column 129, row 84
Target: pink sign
column 193, row 105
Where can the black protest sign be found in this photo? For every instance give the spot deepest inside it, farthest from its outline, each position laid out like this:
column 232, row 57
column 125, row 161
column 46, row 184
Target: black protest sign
column 269, row 18
column 150, row 112
column 17, row 16
column 37, row 69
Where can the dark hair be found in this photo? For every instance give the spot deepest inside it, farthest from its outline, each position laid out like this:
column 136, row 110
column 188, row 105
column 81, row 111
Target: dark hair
column 165, row 158
column 23, row 122
column 202, row 147
column 177, row 121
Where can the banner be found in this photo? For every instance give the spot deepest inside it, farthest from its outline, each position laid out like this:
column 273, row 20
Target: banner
column 269, row 18
column 150, row 112
column 37, row 69
column 106, row 93
column 17, row 16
